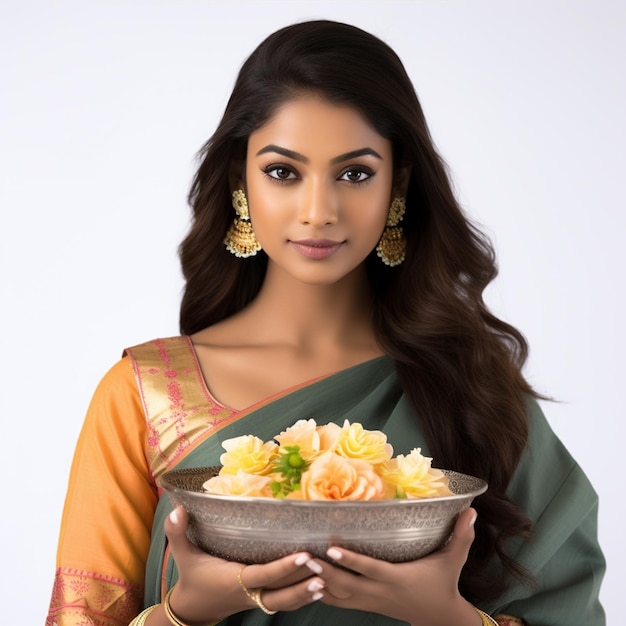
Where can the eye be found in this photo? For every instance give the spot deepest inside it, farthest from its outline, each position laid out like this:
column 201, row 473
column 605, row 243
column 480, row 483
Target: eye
column 280, row 172
column 356, row 174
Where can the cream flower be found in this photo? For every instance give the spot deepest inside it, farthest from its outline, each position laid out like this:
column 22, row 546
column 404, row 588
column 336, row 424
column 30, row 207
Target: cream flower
column 304, row 434
column 413, row 476
column 247, row 453
column 240, row 484
column 328, row 462
column 333, row 477
column 368, row 445
column 329, row 436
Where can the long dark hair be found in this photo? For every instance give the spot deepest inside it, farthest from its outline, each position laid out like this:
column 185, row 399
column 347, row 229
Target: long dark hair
column 458, row 364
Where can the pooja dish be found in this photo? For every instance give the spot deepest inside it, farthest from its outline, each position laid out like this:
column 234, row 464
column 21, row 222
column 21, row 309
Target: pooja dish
column 252, row 529
column 313, row 487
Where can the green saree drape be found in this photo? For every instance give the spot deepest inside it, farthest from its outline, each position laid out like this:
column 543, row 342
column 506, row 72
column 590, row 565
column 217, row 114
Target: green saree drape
column 563, row 556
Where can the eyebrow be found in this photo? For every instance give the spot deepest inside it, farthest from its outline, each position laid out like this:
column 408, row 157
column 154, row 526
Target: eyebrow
column 296, row 156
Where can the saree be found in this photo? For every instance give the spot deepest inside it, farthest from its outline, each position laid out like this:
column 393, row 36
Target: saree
column 161, row 415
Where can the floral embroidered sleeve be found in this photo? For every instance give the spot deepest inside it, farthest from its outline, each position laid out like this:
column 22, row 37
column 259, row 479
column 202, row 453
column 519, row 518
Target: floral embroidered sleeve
column 107, row 519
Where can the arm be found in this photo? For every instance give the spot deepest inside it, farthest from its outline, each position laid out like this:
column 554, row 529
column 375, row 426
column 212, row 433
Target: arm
column 107, row 519
column 563, row 556
column 106, row 530
column 565, row 560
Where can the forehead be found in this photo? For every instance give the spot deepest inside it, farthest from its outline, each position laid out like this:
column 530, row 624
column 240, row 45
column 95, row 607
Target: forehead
column 313, row 125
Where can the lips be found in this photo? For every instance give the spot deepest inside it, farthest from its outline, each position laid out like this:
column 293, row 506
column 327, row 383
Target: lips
column 316, row 248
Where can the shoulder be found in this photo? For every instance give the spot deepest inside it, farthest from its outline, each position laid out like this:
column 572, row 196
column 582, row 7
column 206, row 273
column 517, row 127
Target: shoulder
column 544, row 447
column 547, row 469
column 120, row 382
column 540, row 434
column 159, row 346
column 118, row 377
column 164, row 354
column 238, row 329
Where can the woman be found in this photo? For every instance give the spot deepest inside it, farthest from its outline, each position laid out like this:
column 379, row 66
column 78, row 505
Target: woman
column 330, row 273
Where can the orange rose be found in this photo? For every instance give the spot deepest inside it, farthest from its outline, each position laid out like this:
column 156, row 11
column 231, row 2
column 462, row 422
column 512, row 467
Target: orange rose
column 334, row 477
column 240, row 484
column 303, row 434
column 329, row 436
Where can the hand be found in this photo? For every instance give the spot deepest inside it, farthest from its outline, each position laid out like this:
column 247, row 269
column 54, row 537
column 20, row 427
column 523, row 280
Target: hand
column 423, row 592
column 208, row 588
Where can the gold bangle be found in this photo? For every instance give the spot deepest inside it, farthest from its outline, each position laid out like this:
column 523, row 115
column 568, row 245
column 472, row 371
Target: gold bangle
column 140, row 620
column 487, row 619
column 170, row 614
column 168, row 610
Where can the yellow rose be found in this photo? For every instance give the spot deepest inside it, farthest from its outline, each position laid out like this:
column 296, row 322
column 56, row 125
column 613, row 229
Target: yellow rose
column 413, row 477
column 240, row 484
column 334, row 477
column 247, row 453
column 369, row 445
column 303, row 434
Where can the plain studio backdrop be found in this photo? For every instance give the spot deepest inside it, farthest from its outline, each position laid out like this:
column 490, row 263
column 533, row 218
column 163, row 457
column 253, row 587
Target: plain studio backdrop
column 103, row 105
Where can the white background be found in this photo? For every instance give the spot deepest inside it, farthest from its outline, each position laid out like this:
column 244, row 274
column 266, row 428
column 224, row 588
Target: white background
column 103, row 105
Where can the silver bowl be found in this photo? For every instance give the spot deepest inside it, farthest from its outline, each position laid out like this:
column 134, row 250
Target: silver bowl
column 259, row 530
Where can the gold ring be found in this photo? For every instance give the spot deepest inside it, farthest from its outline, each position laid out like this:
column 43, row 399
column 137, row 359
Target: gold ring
column 256, row 596
column 253, row 594
column 241, row 584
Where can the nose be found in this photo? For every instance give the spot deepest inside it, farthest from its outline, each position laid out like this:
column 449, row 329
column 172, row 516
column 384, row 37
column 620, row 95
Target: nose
column 318, row 204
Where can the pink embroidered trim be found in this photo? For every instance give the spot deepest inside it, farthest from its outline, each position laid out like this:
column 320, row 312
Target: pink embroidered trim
column 178, row 406
column 82, row 598
column 97, row 576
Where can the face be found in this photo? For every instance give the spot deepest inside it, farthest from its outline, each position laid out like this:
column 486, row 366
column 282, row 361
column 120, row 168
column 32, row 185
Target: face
column 319, row 184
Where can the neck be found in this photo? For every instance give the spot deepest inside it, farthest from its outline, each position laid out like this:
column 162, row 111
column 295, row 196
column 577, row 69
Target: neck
column 305, row 315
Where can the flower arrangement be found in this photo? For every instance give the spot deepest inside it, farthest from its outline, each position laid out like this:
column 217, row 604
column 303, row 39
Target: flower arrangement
column 327, row 462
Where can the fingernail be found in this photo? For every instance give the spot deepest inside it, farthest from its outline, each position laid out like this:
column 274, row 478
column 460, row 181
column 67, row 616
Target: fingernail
column 318, row 595
column 333, row 553
column 313, row 566
column 314, row 585
column 174, row 517
column 301, row 559
column 473, row 520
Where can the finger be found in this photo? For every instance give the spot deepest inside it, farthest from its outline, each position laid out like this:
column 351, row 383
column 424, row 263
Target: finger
column 292, row 578
column 294, row 597
column 355, row 563
column 342, row 581
column 462, row 536
column 279, row 573
column 176, row 531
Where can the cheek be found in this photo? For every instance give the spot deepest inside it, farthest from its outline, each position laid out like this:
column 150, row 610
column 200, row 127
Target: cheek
column 370, row 214
column 265, row 208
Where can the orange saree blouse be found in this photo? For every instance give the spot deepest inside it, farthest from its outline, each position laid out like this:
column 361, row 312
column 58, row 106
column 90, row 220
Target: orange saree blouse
column 129, row 438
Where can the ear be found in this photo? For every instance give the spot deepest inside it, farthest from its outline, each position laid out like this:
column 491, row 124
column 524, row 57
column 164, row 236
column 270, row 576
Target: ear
column 237, row 176
column 401, row 182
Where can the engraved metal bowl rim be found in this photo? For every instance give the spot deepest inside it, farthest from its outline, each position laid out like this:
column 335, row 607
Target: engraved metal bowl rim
column 168, row 485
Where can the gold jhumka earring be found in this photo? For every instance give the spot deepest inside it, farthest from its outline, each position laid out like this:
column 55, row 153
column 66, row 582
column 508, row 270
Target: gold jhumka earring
column 240, row 239
column 392, row 245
